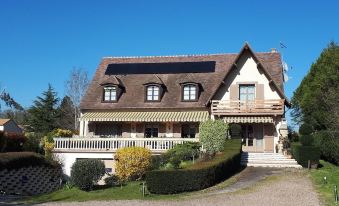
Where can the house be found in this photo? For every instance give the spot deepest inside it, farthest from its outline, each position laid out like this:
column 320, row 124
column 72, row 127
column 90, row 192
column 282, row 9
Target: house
column 9, row 125
column 159, row 101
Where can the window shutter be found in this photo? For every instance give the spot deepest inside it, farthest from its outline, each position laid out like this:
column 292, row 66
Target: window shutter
column 234, row 92
column 260, row 91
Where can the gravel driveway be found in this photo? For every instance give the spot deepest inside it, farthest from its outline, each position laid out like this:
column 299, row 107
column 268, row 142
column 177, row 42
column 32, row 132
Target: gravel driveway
column 290, row 188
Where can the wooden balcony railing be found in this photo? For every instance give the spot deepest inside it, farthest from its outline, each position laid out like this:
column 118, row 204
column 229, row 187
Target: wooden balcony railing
column 255, row 107
column 84, row 144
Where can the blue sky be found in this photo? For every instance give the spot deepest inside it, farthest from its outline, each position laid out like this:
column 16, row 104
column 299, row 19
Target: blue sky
column 41, row 41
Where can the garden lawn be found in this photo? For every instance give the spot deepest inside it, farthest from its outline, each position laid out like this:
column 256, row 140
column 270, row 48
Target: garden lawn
column 330, row 171
column 127, row 192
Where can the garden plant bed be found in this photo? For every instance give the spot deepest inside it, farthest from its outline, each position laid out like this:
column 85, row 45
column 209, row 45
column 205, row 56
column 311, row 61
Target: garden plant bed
column 197, row 176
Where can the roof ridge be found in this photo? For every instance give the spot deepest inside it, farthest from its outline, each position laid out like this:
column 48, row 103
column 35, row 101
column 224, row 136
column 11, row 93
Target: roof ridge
column 168, row 56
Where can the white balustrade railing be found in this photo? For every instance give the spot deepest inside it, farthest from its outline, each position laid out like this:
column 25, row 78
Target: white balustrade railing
column 112, row 144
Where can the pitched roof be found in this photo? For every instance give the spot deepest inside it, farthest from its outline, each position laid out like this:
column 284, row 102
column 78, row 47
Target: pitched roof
column 208, row 70
column 260, row 64
column 4, row 121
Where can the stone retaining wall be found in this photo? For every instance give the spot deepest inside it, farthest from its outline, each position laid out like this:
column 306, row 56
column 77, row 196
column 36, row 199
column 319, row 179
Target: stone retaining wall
column 30, row 180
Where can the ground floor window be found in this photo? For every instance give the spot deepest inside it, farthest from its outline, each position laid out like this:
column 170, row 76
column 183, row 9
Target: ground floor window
column 188, row 131
column 108, row 129
column 151, row 130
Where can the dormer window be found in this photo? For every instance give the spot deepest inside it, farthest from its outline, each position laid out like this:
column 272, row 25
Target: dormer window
column 153, row 93
column 190, row 92
column 110, row 93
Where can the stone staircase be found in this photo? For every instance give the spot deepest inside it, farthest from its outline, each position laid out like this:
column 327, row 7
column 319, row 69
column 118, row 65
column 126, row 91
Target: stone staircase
column 267, row 160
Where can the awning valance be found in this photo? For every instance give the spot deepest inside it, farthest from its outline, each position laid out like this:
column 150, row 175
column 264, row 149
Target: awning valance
column 189, row 116
column 262, row 119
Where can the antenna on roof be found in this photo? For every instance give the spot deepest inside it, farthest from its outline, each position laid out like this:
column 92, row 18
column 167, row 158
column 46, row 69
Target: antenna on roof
column 283, row 46
column 284, row 64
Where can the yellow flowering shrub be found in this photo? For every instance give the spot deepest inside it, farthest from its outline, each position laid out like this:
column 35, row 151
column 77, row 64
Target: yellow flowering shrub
column 48, row 141
column 48, row 147
column 132, row 162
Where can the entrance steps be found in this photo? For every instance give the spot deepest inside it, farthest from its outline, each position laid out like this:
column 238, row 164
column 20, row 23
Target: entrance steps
column 267, row 160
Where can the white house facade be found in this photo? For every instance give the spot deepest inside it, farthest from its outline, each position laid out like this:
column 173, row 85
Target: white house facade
column 158, row 102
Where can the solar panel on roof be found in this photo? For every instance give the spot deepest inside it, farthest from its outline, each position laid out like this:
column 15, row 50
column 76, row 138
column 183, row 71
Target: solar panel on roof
column 161, row 68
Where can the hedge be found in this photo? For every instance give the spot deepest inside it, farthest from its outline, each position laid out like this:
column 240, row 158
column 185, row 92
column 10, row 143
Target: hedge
column 328, row 142
column 15, row 160
column 198, row 176
column 304, row 153
column 11, row 142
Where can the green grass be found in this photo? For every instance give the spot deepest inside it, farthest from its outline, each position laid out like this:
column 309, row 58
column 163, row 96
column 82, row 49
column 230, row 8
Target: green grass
column 331, row 172
column 130, row 191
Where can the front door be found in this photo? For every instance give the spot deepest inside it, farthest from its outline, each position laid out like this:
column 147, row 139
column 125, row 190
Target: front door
column 253, row 137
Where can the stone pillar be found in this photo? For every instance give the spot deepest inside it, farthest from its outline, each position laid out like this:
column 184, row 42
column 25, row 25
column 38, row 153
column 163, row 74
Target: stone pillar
column 283, row 135
column 133, row 130
column 85, row 128
column 169, row 129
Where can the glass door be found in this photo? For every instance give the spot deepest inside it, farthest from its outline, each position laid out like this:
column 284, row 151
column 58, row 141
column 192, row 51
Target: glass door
column 246, row 96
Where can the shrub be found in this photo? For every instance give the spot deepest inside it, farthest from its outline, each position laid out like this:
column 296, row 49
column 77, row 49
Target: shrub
column 182, row 152
column 235, row 131
column 87, row 172
column 49, row 141
column 213, row 135
column 328, row 142
column 112, row 180
column 11, row 142
column 305, row 129
column 198, row 176
column 32, row 143
column 132, row 162
column 306, row 140
column 303, row 153
column 15, row 160
column 158, row 161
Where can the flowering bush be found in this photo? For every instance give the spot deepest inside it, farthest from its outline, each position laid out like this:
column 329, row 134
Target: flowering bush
column 48, row 141
column 132, row 162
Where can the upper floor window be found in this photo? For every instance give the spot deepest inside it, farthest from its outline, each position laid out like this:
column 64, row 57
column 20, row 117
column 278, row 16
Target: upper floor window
column 190, row 92
column 152, row 93
column 247, row 92
column 110, row 93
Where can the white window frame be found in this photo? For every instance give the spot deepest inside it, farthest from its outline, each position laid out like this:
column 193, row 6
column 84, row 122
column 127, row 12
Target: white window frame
column 152, row 93
column 110, row 94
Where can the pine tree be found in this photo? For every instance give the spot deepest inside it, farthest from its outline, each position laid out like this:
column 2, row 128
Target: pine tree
column 66, row 114
column 43, row 115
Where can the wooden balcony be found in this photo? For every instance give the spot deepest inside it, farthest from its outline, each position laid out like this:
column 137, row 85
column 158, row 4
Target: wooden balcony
column 85, row 144
column 255, row 107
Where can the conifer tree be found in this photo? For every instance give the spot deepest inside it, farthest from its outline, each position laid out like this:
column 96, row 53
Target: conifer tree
column 66, row 114
column 43, row 115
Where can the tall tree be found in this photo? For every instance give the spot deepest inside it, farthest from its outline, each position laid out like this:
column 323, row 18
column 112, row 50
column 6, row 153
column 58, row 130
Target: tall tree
column 66, row 114
column 43, row 115
column 76, row 87
column 315, row 101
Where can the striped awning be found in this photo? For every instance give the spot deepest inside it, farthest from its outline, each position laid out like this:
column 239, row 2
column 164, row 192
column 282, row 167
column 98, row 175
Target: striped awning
column 260, row 119
column 189, row 116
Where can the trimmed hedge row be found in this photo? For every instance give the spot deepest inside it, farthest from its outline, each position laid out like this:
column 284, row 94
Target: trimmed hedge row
column 15, row 160
column 328, row 142
column 304, row 153
column 198, row 176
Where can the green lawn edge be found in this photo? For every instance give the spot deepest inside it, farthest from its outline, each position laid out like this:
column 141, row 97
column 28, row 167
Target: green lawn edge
column 331, row 172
